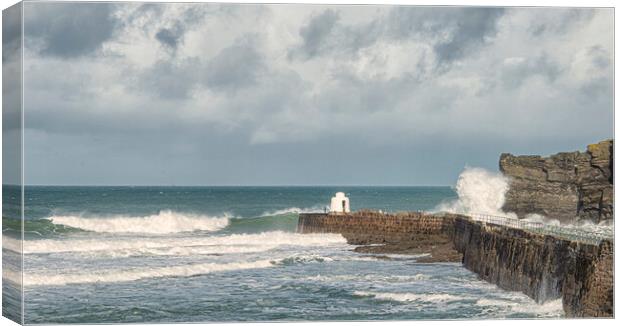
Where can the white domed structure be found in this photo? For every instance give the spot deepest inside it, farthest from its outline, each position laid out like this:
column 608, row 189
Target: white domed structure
column 340, row 204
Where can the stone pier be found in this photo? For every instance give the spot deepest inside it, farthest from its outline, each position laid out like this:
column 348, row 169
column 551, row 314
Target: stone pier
column 544, row 267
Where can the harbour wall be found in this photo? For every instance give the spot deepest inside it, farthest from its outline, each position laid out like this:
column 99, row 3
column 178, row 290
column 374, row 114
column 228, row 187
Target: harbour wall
column 544, row 267
column 367, row 227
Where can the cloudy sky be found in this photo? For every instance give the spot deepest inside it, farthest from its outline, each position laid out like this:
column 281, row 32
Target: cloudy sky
column 209, row 94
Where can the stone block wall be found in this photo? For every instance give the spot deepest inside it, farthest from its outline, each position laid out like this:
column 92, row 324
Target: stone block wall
column 588, row 287
column 543, row 267
column 372, row 227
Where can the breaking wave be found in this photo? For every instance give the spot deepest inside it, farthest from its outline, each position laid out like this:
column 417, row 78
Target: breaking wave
column 188, row 270
column 189, row 245
column 479, row 191
column 161, row 223
column 141, row 273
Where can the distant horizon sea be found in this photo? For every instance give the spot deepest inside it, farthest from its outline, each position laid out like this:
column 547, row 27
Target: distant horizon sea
column 105, row 254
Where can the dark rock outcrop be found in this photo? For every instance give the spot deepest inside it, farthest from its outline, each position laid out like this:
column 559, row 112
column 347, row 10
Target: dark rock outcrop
column 565, row 186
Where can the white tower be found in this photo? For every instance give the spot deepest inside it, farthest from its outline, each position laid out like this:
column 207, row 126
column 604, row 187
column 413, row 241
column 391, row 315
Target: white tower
column 340, row 204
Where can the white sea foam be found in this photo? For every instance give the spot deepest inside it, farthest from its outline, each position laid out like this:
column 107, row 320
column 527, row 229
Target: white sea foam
column 164, row 222
column 111, row 276
column 12, row 244
column 9, row 274
column 125, row 275
column 177, row 251
column 224, row 243
column 370, row 278
column 305, row 259
column 483, row 192
column 519, row 303
column 479, row 191
column 408, row 297
column 604, row 227
column 541, row 219
column 552, row 308
column 402, row 256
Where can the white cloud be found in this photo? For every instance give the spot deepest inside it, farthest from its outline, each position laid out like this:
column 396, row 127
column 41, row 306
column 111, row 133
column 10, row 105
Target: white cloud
column 259, row 75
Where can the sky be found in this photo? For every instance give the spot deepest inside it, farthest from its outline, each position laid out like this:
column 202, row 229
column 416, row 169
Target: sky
column 224, row 94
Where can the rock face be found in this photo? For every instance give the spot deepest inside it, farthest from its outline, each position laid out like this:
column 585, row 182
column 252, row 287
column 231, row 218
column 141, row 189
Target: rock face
column 565, row 186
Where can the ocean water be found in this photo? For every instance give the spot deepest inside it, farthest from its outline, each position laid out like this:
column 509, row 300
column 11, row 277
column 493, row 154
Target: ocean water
column 200, row 254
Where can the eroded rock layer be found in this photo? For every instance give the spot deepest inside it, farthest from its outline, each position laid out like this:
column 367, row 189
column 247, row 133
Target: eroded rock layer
column 565, row 186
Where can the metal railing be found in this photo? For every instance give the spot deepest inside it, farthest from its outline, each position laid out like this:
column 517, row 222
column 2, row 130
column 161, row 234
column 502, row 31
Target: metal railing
column 577, row 234
column 582, row 234
column 507, row 221
column 573, row 233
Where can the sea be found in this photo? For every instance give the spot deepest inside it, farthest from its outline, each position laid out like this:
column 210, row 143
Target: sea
column 221, row 254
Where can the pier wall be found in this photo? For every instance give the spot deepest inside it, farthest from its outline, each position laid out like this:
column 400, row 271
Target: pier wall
column 362, row 228
column 541, row 266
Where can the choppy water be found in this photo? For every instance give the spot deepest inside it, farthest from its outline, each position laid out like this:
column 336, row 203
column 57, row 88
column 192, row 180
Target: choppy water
column 190, row 254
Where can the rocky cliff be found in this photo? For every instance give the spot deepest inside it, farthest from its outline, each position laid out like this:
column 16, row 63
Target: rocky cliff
column 565, row 186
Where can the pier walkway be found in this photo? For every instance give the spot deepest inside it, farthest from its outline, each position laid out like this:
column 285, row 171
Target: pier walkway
column 583, row 233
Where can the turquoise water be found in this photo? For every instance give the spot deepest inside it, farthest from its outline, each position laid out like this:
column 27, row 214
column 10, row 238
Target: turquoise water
column 192, row 254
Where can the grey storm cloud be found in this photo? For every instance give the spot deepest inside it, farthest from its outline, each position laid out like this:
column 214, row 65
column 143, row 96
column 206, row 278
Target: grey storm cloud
column 11, row 33
column 325, row 35
column 600, row 59
column 170, row 36
column 234, row 67
column 452, row 31
column 470, row 28
column 189, row 93
column 170, row 80
column 314, row 34
column 69, row 29
column 515, row 72
column 561, row 23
